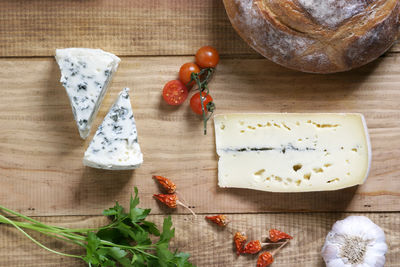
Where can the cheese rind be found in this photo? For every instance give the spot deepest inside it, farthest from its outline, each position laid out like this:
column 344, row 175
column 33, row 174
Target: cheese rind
column 115, row 145
column 85, row 74
column 292, row 152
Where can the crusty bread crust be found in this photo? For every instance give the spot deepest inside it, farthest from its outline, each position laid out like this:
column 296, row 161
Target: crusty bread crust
column 319, row 36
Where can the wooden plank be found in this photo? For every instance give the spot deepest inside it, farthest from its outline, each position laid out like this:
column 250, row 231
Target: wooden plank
column 125, row 27
column 41, row 152
column 207, row 244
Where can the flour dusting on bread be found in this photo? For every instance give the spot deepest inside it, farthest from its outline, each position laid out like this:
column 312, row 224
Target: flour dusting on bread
column 332, row 13
column 282, row 45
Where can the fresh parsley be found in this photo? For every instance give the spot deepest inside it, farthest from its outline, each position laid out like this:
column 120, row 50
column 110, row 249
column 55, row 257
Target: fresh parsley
column 126, row 241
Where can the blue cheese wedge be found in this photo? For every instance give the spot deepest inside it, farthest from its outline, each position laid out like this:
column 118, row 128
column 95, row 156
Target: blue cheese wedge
column 115, row 145
column 292, row 152
column 85, row 74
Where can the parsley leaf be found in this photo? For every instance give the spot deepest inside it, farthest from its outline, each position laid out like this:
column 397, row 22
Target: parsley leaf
column 168, row 232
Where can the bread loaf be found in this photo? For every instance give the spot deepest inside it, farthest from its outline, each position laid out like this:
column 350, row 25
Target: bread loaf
column 320, row 36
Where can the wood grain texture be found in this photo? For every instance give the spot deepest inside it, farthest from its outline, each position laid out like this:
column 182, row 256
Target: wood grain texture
column 41, row 152
column 208, row 244
column 125, row 27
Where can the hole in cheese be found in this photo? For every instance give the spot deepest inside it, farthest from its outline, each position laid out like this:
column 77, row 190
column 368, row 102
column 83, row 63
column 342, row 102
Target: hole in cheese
column 297, row 167
column 259, row 172
column 333, row 180
column 287, row 127
column 307, row 176
column 317, row 170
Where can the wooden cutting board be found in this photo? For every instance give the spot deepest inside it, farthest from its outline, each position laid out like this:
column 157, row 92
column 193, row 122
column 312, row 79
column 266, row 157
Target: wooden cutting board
column 41, row 151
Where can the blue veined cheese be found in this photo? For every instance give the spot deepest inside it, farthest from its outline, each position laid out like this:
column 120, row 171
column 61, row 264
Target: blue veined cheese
column 85, row 74
column 115, row 145
column 292, row 152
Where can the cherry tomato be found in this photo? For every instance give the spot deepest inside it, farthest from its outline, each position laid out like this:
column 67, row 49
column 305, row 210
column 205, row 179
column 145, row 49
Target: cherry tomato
column 175, row 92
column 195, row 102
column 185, row 71
column 207, row 57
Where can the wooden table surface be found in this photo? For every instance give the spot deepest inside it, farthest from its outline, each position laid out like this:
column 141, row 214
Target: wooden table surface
column 41, row 171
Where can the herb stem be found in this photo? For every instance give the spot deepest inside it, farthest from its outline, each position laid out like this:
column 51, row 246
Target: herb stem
column 145, row 253
column 37, row 242
column 25, row 217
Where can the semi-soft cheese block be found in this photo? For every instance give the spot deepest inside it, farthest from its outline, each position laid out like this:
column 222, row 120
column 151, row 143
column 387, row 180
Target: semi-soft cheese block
column 115, row 145
column 85, row 74
column 292, row 152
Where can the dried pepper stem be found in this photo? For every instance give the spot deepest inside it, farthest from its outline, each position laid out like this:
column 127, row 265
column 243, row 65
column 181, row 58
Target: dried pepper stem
column 266, row 258
column 171, row 200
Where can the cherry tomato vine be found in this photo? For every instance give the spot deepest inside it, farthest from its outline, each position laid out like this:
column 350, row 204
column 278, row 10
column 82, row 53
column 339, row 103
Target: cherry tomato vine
column 206, row 103
column 196, row 75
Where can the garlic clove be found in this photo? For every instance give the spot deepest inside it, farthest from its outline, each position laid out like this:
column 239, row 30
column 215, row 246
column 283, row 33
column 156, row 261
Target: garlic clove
column 375, row 259
column 355, row 242
column 337, row 263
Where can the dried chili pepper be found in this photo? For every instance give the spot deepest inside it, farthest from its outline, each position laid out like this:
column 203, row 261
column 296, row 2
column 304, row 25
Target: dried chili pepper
column 252, row 247
column 171, row 200
column 220, row 220
column 276, row 235
column 239, row 239
column 265, row 259
column 166, row 183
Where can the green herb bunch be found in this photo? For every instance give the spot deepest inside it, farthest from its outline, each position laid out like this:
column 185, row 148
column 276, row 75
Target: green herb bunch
column 124, row 242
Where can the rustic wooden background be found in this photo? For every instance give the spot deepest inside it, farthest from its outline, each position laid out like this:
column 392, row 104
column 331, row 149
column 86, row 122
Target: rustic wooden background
column 41, row 173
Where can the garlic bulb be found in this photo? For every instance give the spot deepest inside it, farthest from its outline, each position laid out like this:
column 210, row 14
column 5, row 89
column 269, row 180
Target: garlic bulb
column 355, row 242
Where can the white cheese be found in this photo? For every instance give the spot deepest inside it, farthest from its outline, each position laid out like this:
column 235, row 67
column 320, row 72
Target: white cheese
column 292, row 152
column 115, row 145
column 85, row 74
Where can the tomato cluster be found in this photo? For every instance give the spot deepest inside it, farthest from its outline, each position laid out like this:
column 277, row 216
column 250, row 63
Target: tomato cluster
column 175, row 92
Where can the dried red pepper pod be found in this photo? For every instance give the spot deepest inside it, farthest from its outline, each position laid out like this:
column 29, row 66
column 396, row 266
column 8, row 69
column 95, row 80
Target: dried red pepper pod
column 240, row 240
column 220, row 219
column 276, row 235
column 265, row 259
column 166, row 183
column 171, row 200
column 252, row 247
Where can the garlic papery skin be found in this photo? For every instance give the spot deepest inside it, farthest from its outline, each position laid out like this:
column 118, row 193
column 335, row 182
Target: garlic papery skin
column 355, row 242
